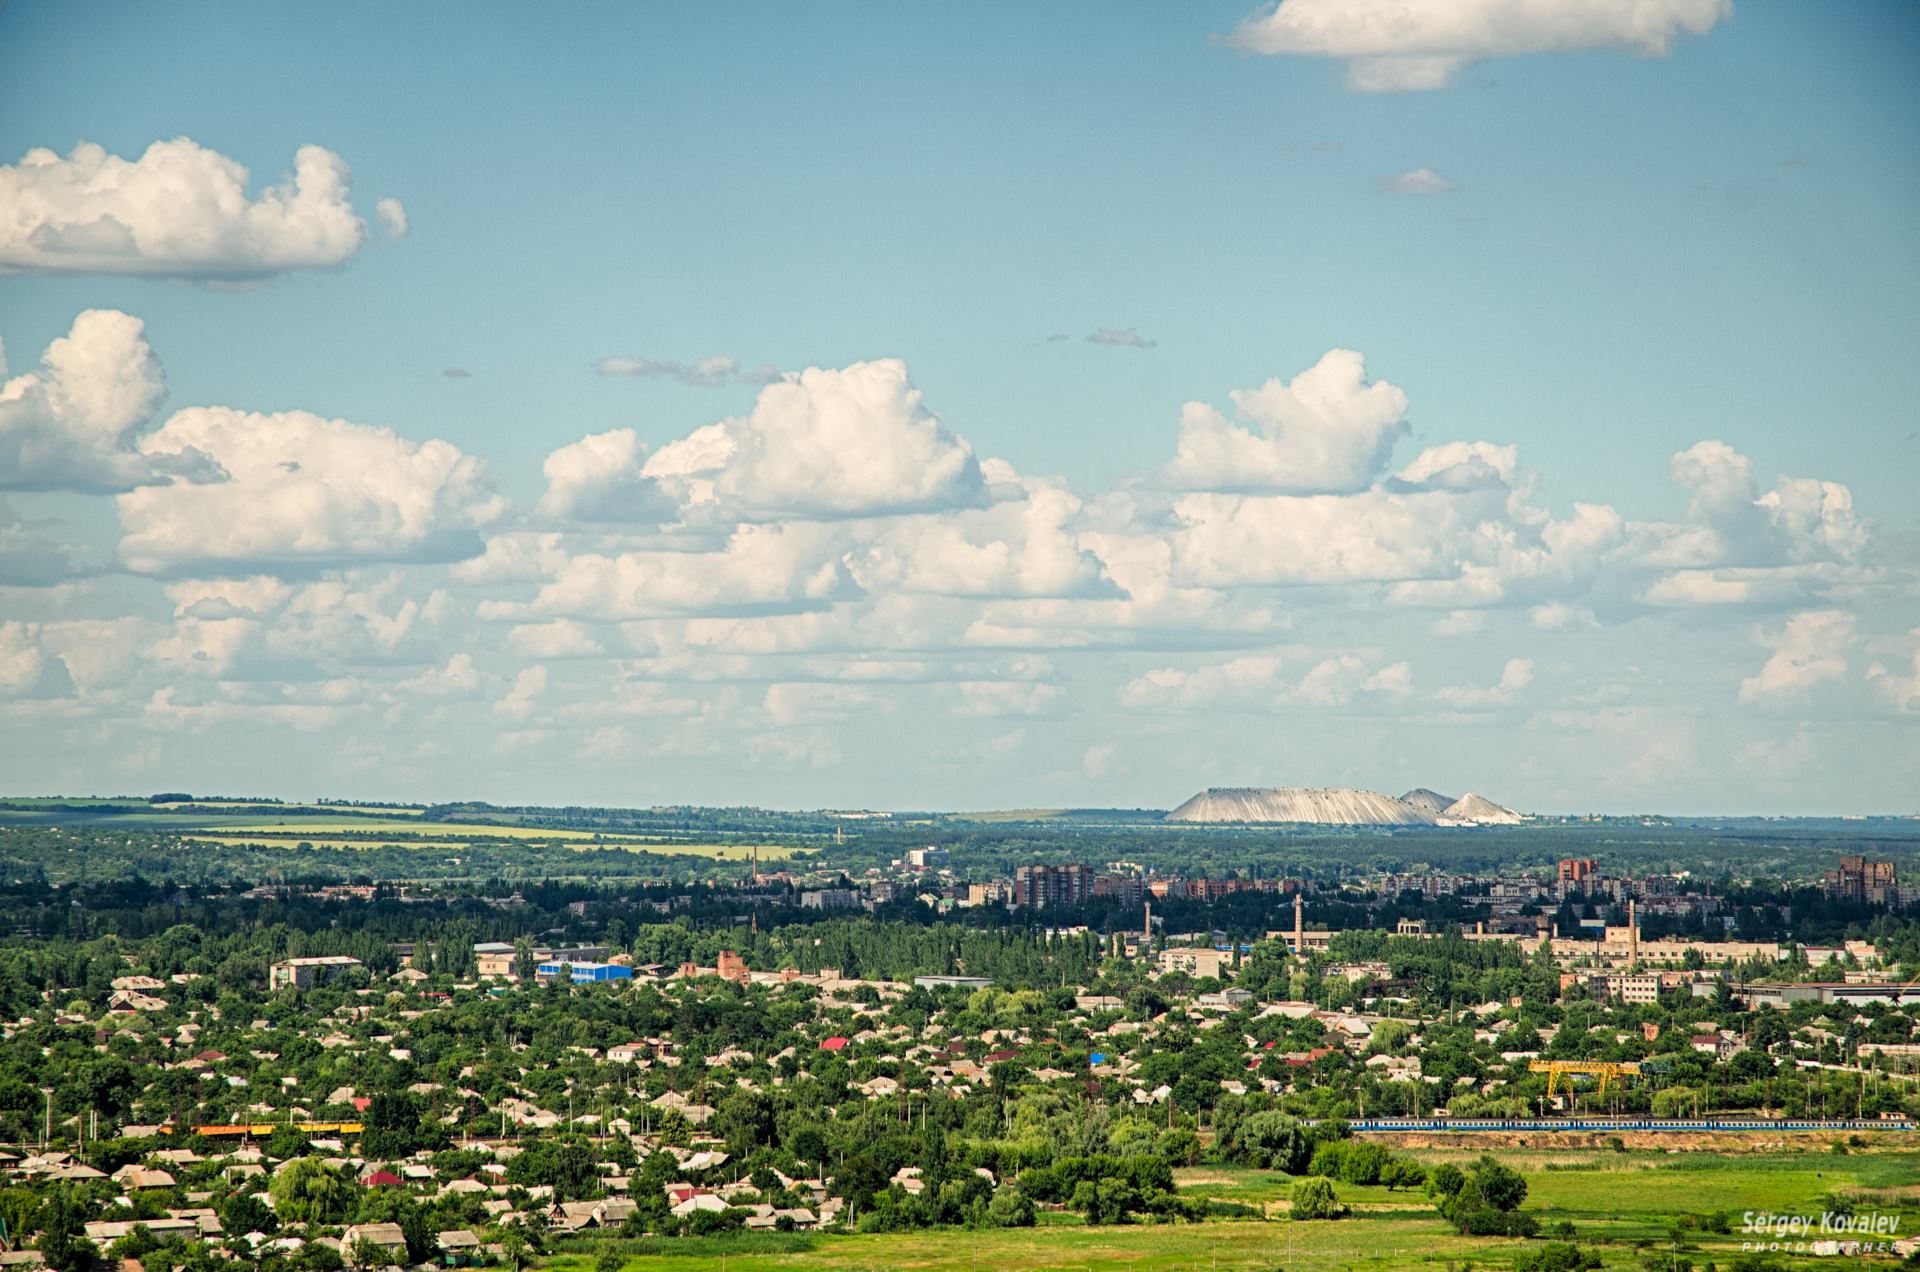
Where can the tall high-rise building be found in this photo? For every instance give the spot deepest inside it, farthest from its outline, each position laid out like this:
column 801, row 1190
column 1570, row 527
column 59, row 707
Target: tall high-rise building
column 1858, row 879
column 1574, row 871
column 1039, row 887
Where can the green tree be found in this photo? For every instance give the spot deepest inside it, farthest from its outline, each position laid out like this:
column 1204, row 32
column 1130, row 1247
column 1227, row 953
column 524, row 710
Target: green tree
column 1483, row 1200
column 1403, row 1172
column 243, row 1213
column 307, row 1191
column 1275, row 1141
column 1011, row 1208
column 365, row 1254
column 1314, row 1198
column 61, row 1221
column 744, row 1119
column 1562, row 1256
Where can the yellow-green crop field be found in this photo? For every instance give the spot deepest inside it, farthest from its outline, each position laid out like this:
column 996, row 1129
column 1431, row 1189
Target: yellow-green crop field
column 330, row 833
column 309, row 841
column 270, row 810
column 400, row 826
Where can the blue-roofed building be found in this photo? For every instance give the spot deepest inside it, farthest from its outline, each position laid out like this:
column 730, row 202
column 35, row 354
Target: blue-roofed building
column 585, row 973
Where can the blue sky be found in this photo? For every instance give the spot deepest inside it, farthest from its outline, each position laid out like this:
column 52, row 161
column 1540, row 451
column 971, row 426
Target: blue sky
column 1623, row 252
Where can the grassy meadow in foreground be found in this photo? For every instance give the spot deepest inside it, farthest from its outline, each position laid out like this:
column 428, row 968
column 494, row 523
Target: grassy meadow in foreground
column 1625, row 1206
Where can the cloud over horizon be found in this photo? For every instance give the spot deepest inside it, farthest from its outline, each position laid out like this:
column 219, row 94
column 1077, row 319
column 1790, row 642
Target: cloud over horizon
column 838, row 557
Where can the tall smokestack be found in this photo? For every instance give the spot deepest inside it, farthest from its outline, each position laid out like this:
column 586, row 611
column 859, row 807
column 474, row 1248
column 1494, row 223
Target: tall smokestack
column 1299, row 924
column 1633, row 930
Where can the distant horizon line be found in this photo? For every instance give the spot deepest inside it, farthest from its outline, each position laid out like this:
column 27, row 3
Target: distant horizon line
column 855, row 810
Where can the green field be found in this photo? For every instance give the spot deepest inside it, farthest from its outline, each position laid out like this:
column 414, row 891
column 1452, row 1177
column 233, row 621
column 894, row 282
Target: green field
column 367, row 833
column 1623, row 1205
column 295, row 841
column 252, row 824
column 1230, row 1246
column 337, row 825
column 254, row 806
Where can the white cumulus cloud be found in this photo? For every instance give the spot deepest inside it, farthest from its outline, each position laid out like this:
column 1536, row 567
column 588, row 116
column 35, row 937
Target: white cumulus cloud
column 179, row 211
column 302, row 491
column 1810, row 650
column 1329, row 429
column 1025, row 547
column 1899, row 687
column 561, row 638
column 1337, row 681
column 602, row 477
column 1393, row 46
column 1247, row 679
column 1514, row 677
column 1416, row 181
column 528, row 685
column 74, row 423
column 818, row 444
column 763, row 569
column 1733, row 533
column 841, row 443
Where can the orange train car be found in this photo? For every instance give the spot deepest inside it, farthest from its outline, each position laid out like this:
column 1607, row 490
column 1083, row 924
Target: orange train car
column 268, row 1128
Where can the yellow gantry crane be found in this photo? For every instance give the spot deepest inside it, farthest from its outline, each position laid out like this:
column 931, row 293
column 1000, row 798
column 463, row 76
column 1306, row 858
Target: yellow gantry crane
column 1605, row 1070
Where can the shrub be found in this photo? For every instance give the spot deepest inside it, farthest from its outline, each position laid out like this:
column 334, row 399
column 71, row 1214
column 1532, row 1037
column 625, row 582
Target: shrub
column 1483, row 1200
column 1403, row 1172
column 1180, row 1146
column 1010, row 1208
column 1329, row 1160
column 1557, row 1256
column 1504, row 1189
column 1314, row 1198
column 1484, row 1221
column 1363, row 1163
column 1274, row 1141
column 707, row 1223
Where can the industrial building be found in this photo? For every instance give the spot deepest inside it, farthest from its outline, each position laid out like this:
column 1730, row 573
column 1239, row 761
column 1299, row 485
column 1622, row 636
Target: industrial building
column 584, row 973
column 1855, row 995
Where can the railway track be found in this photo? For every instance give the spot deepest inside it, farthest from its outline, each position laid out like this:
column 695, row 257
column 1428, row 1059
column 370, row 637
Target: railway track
column 1589, row 1124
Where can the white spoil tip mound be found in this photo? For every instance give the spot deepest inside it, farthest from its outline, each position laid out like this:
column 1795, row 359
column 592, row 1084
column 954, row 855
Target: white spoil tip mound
column 1480, row 811
column 1433, row 801
column 1324, row 806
